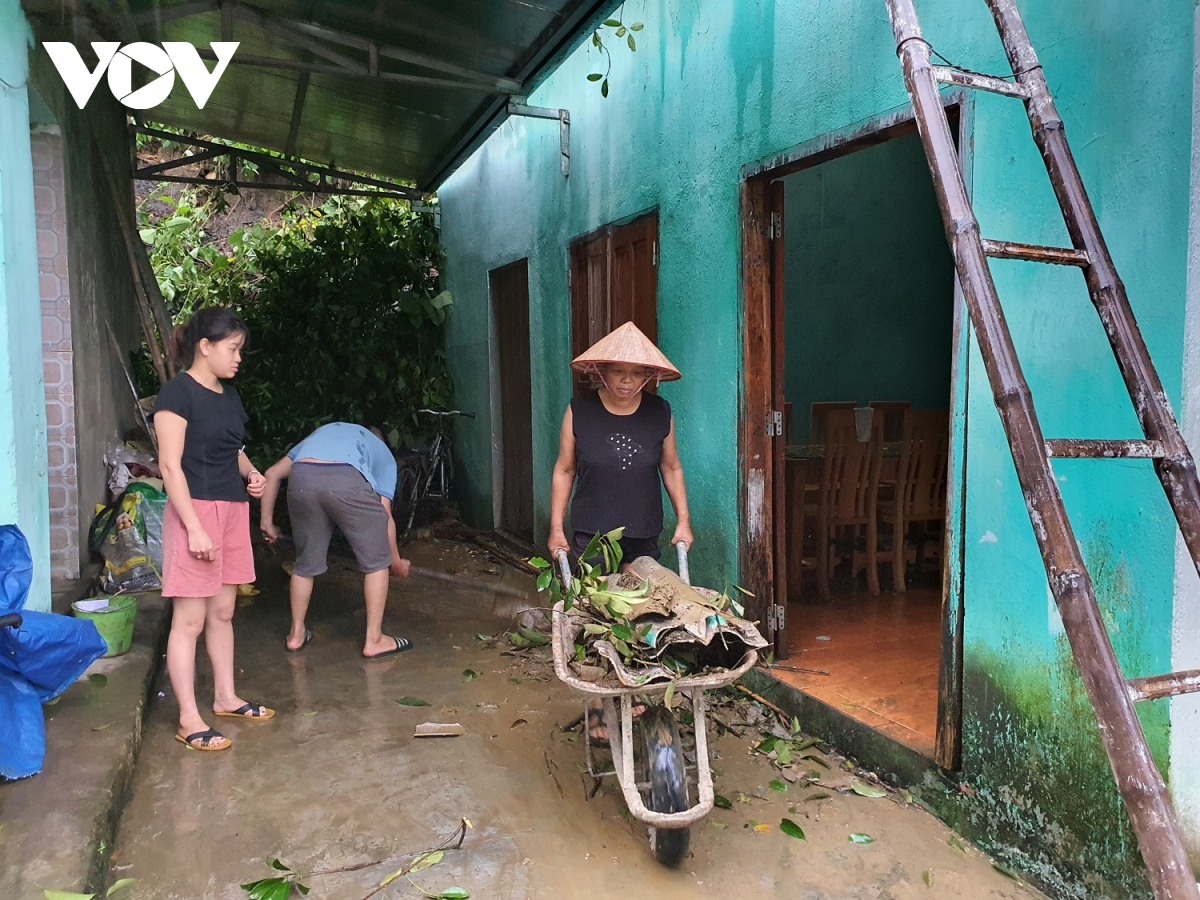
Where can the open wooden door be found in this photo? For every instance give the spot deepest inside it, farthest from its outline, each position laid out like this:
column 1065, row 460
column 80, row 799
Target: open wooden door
column 510, row 308
column 779, row 438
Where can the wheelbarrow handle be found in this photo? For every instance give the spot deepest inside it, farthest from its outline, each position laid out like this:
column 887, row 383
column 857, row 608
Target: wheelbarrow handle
column 564, row 568
column 682, row 549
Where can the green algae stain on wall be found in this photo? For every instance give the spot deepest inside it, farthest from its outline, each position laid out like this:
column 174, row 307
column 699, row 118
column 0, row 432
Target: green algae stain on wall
column 1043, row 796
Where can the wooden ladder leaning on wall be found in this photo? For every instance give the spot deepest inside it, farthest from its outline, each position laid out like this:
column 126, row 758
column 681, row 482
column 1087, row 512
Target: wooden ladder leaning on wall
column 1112, row 696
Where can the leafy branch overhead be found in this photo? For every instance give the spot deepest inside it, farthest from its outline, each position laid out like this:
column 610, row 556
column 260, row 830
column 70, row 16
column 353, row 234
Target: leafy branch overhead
column 620, row 31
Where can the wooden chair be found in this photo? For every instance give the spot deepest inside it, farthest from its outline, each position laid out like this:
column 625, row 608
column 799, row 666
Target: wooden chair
column 818, row 414
column 847, row 497
column 920, row 497
column 895, row 418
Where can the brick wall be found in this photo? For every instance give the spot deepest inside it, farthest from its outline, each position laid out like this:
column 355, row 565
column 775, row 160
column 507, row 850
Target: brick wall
column 57, row 353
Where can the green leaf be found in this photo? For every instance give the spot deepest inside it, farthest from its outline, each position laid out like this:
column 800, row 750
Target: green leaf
column 595, row 76
column 388, row 879
column 514, row 681
column 632, row 43
column 867, row 790
column 274, row 863
column 604, row 88
column 613, row 23
column 953, row 841
column 147, row 235
column 721, row 802
column 412, row 701
column 596, row 39
column 544, row 579
column 621, row 31
column 454, row 893
column 97, row 679
column 483, row 637
column 636, row 26
column 119, row 885
column 927, row 877
column 778, row 786
column 469, row 674
column 859, row 838
column 426, row 861
column 783, row 754
column 768, row 745
column 819, row 795
column 791, row 829
column 66, row 895
column 1005, row 870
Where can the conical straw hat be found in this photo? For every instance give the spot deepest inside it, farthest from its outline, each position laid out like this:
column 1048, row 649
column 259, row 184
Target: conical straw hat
column 626, row 344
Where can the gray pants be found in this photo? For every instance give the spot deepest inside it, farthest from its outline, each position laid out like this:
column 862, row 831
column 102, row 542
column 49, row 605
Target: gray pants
column 322, row 496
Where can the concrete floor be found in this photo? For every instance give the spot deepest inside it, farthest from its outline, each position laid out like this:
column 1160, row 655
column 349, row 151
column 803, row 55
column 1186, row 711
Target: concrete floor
column 337, row 779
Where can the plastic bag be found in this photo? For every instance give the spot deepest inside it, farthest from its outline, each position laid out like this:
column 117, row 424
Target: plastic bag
column 116, row 535
column 152, row 506
column 127, row 462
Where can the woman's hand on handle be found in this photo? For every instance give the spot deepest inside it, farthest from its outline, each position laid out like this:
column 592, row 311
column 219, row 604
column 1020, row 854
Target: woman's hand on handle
column 557, row 542
column 683, row 534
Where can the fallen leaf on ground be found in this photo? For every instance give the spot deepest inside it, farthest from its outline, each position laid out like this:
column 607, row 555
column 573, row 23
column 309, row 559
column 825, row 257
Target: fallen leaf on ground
column 519, row 722
column 66, row 895
column 719, row 825
column 427, row 860
column 859, row 838
column 819, row 795
column 102, row 727
column 119, row 885
column 470, row 674
column 514, row 681
column 309, row 715
column 1005, row 870
column 721, row 802
column 762, row 826
column 791, row 829
column 928, row 877
column 412, row 701
column 778, row 786
column 97, row 679
column 867, row 790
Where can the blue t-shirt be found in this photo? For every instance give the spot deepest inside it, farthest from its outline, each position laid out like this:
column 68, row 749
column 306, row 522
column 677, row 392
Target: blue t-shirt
column 353, row 445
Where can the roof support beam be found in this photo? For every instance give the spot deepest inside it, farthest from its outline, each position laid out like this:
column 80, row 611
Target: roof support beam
column 289, row 149
column 291, row 170
column 564, row 127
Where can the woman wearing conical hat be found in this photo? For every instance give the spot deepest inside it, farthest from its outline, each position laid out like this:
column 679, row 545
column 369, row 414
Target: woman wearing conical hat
column 617, row 448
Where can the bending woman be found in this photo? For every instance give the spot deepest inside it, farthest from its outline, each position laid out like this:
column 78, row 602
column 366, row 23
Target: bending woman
column 201, row 426
column 617, row 449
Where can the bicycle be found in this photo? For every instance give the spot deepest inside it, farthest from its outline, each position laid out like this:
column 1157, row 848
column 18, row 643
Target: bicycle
column 426, row 474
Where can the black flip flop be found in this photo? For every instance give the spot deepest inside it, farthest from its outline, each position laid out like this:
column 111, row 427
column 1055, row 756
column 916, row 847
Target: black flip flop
column 307, row 640
column 201, row 740
column 402, row 644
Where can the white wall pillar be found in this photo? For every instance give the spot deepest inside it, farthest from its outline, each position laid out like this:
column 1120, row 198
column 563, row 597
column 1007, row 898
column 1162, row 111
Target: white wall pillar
column 23, row 488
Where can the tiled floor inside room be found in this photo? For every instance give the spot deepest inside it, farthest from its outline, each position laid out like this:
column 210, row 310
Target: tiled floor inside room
column 881, row 653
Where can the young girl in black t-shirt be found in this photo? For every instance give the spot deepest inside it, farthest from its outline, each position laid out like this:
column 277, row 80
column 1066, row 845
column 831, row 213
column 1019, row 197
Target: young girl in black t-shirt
column 200, row 425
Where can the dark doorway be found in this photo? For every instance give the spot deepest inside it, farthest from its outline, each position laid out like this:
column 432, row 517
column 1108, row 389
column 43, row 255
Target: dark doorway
column 510, row 312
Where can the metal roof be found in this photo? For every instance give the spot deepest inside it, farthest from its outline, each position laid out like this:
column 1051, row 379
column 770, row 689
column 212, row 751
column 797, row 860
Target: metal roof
column 403, row 88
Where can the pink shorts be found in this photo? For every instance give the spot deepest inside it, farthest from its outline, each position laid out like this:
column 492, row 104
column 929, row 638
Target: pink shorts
column 228, row 524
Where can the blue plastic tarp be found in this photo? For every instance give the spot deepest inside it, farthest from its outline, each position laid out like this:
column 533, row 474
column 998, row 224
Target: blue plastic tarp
column 38, row 661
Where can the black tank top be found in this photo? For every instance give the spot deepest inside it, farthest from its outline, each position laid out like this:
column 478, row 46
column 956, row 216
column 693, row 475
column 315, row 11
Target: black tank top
column 617, row 482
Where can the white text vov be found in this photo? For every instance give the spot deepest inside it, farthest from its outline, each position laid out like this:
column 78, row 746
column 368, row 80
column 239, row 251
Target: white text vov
column 170, row 58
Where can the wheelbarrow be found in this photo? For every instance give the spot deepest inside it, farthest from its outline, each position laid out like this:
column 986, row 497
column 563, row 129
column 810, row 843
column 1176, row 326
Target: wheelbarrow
column 656, row 790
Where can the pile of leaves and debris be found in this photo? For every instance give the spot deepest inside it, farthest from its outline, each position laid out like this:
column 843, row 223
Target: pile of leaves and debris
column 645, row 625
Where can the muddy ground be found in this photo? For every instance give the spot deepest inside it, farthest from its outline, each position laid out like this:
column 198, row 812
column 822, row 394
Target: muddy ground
column 337, row 778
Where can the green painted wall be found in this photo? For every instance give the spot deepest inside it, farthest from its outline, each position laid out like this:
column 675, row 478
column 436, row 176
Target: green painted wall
column 869, row 283
column 23, row 486
column 714, row 86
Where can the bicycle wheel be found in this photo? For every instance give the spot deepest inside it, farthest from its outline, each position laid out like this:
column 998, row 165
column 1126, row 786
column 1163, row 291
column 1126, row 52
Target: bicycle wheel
column 667, row 788
column 404, row 505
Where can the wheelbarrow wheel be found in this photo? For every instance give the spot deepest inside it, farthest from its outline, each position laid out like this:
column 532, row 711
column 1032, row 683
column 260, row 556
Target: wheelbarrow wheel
column 666, row 781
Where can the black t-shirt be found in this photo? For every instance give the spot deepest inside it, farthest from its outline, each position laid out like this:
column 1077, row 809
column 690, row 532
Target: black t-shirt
column 216, row 431
column 617, row 482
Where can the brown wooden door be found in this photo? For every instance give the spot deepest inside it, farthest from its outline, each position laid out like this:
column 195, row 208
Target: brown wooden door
column 779, row 440
column 614, row 280
column 510, row 308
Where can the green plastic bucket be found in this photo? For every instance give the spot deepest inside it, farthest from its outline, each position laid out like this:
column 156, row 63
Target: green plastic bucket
column 115, row 623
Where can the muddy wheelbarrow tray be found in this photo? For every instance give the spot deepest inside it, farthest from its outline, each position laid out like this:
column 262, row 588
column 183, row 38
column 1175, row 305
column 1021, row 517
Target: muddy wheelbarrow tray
column 621, row 739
